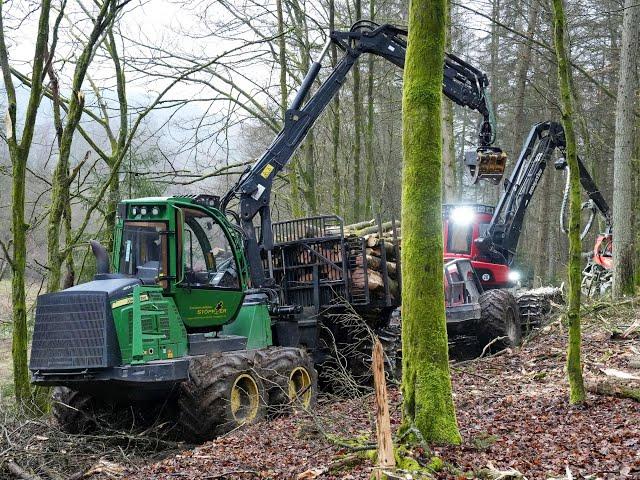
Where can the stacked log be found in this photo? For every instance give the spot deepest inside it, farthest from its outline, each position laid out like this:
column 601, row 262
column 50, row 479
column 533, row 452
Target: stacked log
column 329, row 251
column 378, row 249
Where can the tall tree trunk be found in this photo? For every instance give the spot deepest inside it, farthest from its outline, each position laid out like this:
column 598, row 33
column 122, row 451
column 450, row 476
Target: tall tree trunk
column 282, row 59
column 623, row 176
column 309, row 174
column 524, row 63
column 426, row 381
column 542, row 233
column 357, row 127
column 19, row 228
column 448, row 143
column 113, row 197
column 491, row 192
column 335, row 120
column 19, row 154
column 574, row 357
column 368, row 139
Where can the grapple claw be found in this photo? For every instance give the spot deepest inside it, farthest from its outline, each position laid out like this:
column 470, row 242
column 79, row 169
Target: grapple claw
column 485, row 163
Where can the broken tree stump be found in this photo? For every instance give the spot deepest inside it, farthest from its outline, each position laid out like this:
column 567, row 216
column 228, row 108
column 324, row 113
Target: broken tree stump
column 383, row 421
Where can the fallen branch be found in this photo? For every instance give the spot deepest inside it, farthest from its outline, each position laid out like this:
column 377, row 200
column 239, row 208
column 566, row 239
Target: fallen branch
column 615, row 383
column 19, row 472
column 633, row 328
column 488, row 345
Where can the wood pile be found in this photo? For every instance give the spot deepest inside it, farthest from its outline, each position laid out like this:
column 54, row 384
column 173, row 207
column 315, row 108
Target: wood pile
column 378, row 247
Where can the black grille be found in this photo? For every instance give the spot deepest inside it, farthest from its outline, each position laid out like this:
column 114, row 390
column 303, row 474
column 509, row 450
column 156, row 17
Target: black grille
column 74, row 330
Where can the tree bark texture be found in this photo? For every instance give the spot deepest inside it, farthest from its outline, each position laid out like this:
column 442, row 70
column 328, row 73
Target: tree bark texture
column 426, row 382
column 368, row 140
column 358, row 122
column 623, row 156
column 448, row 140
column 574, row 357
column 524, row 63
column 335, row 121
column 19, row 154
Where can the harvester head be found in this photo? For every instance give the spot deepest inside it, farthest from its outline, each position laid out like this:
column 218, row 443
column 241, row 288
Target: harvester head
column 485, row 163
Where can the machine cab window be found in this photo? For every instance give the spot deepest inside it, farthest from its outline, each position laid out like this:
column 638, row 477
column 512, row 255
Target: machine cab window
column 208, row 259
column 143, row 252
column 459, row 237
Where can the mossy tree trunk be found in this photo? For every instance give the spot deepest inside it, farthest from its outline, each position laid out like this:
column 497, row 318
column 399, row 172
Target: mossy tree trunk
column 574, row 357
column 426, row 381
column 19, row 154
column 119, row 142
column 623, row 155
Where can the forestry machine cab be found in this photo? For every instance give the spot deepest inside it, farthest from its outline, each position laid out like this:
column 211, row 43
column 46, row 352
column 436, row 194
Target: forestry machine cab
column 489, row 235
column 462, row 83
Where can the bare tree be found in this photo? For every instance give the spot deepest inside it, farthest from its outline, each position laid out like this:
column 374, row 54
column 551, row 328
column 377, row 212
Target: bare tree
column 623, row 158
column 574, row 356
column 19, row 147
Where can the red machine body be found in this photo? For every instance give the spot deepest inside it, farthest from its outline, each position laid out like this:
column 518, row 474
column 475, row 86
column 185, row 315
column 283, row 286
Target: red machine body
column 462, row 225
column 603, row 251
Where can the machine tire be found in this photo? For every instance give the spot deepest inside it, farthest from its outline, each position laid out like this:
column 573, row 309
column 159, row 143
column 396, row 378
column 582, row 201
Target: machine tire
column 596, row 280
column 73, row 410
column 223, row 392
column 285, row 371
column 499, row 317
column 533, row 309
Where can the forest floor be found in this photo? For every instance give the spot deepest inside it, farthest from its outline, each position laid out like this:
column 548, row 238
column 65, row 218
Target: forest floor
column 512, row 409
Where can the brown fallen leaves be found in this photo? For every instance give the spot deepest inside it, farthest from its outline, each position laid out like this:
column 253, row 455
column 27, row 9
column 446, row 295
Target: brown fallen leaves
column 512, row 410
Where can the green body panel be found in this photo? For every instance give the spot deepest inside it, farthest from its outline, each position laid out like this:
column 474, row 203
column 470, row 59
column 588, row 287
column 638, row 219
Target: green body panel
column 197, row 306
column 148, row 327
column 252, row 322
column 152, row 322
column 207, row 308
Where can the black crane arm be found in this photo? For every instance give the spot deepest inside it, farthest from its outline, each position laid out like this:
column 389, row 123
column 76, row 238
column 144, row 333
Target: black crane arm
column 504, row 230
column 462, row 83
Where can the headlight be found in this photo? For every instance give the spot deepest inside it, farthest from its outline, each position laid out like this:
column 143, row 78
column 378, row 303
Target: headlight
column 462, row 215
column 514, row 276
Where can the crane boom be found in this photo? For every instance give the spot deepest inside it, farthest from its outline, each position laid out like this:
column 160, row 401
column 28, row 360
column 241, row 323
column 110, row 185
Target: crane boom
column 504, row 230
column 462, row 83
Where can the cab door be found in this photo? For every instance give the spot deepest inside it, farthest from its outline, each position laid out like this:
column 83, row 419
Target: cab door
column 208, row 292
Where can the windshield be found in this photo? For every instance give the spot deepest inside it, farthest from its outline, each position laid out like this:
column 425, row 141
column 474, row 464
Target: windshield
column 208, row 255
column 459, row 237
column 143, row 252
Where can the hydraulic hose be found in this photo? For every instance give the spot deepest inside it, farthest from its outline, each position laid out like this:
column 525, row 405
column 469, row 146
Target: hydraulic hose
column 565, row 202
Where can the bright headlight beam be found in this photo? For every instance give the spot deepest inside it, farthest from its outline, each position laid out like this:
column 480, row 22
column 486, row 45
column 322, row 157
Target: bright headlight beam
column 514, row 276
column 462, row 215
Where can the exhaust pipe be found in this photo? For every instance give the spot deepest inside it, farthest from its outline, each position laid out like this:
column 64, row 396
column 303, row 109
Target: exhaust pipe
column 102, row 257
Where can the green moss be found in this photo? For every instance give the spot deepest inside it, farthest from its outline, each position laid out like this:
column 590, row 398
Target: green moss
column 404, row 461
column 436, row 464
column 426, row 383
column 574, row 358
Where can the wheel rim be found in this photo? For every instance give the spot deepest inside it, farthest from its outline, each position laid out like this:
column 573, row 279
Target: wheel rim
column 245, row 398
column 300, row 386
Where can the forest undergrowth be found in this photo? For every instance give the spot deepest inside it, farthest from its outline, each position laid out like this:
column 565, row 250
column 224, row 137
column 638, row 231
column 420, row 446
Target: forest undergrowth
column 512, row 409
